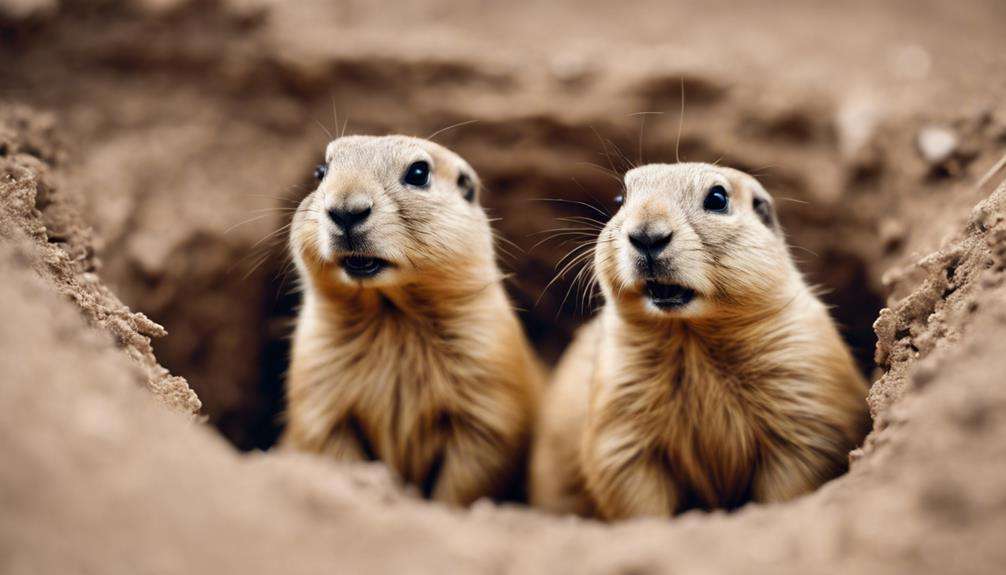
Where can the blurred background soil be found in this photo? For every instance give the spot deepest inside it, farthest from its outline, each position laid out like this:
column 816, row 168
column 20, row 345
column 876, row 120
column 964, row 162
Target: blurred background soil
column 152, row 149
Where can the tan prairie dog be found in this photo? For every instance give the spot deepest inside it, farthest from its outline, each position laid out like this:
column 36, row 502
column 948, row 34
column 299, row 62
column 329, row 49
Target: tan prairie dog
column 406, row 348
column 713, row 376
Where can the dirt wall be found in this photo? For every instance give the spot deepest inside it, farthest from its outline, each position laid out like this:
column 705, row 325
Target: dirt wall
column 151, row 150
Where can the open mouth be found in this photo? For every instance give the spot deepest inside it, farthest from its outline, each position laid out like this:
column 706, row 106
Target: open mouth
column 668, row 296
column 362, row 267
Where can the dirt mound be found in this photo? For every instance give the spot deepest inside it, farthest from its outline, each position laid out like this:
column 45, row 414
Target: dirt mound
column 187, row 129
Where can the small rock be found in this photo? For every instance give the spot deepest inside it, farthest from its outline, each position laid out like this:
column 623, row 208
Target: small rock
column 936, row 144
column 856, row 123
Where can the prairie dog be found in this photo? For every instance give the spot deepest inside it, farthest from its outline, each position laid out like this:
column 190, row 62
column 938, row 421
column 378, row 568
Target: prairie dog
column 406, row 348
column 713, row 375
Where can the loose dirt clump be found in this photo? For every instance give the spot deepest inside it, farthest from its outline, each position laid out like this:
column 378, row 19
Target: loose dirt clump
column 35, row 209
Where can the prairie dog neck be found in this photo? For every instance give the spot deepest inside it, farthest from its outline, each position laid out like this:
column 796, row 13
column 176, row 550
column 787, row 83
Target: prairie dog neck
column 423, row 308
column 436, row 293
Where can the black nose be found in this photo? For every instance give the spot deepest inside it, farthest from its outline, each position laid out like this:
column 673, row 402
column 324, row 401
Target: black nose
column 349, row 217
column 649, row 243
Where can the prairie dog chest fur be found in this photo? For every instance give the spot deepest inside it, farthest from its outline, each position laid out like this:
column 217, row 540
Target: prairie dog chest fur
column 704, row 407
column 406, row 349
column 402, row 383
column 679, row 406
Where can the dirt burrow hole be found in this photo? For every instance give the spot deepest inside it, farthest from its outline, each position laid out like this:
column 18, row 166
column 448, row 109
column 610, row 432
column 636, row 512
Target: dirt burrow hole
column 175, row 250
column 827, row 209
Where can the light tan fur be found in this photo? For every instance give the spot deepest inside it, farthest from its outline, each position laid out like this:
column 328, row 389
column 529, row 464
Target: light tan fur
column 425, row 366
column 747, row 393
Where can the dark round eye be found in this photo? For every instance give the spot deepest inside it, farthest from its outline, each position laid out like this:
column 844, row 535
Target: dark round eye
column 319, row 171
column 417, row 175
column 716, row 200
column 619, row 200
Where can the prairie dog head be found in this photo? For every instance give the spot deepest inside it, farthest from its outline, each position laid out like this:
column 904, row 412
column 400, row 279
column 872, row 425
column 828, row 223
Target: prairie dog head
column 692, row 240
column 388, row 211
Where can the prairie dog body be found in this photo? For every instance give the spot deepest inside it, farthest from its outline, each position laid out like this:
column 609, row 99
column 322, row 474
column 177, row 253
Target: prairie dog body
column 406, row 348
column 713, row 376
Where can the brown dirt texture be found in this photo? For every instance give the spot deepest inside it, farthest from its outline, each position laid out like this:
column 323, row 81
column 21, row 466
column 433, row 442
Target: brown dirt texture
column 150, row 151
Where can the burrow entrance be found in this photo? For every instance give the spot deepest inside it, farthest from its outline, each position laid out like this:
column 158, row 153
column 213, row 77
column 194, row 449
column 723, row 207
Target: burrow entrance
column 545, row 189
column 534, row 138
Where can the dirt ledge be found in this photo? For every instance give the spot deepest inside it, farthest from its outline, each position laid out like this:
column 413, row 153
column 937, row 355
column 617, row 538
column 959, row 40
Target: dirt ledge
column 36, row 210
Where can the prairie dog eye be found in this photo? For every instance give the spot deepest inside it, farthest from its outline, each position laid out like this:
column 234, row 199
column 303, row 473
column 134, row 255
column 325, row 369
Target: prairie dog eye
column 319, row 171
column 417, row 174
column 717, row 200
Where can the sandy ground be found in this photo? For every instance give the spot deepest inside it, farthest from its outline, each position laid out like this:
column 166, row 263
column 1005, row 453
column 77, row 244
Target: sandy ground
column 164, row 139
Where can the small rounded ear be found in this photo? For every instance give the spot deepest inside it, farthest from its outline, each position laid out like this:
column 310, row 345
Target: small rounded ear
column 469, row 187
column 765, row 210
